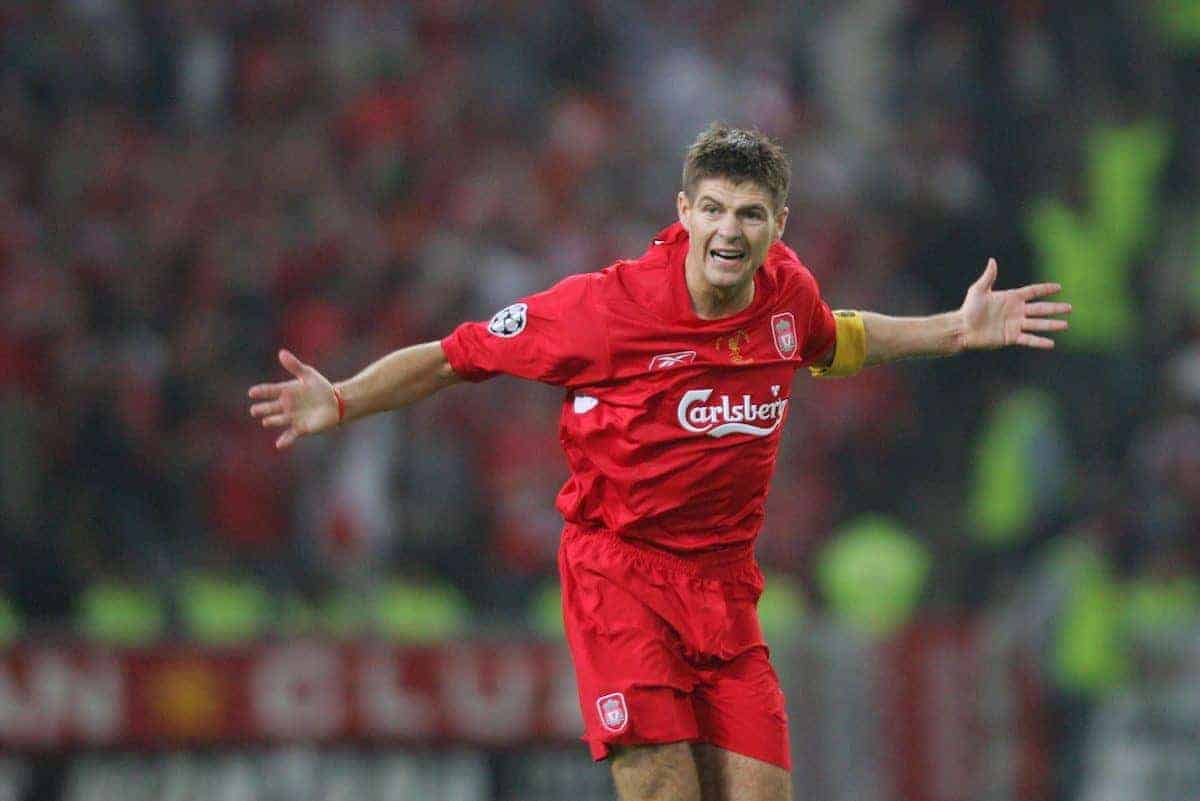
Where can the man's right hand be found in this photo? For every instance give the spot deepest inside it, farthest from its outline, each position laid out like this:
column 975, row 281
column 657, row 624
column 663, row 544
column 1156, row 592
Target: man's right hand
column 304, row 405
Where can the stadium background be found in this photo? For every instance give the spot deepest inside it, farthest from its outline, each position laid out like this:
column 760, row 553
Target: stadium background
column 983, row 570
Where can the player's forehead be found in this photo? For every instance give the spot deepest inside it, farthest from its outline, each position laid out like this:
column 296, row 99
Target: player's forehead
column 733, row 194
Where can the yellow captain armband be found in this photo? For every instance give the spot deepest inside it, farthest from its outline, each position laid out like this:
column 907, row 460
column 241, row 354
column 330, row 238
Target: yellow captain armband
column 850, row 350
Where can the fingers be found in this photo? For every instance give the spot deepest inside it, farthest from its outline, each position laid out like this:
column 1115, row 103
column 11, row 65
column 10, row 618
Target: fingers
column 271, row 391
column 1039, row 324
column 988, row 278
column 260, row 409
column 1045, row 325
column 1047, row 309
column 271, row 396
column 1034, row 291
column 1031, row 341
column 266, row 391
column 289, row 436
column 291, row 363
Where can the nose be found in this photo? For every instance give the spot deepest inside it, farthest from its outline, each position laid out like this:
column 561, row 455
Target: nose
column 729, row 227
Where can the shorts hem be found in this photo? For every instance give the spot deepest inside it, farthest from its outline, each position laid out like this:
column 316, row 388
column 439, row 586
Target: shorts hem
column 602, row 749
column 785, row 763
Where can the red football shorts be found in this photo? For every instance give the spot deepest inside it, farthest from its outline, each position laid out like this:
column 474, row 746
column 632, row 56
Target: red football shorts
column 669, row 650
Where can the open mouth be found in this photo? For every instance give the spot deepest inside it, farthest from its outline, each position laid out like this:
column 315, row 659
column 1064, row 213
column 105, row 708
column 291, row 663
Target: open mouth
column 727, row 256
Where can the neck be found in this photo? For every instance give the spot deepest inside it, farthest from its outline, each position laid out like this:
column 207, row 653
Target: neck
column 714, row 302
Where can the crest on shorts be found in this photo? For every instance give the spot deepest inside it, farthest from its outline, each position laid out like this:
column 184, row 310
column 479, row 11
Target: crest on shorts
column 614, row 715
column 783, row 329
column 509, row 321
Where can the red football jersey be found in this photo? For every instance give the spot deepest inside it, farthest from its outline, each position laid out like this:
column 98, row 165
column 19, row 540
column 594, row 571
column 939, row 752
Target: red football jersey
column 671, row 423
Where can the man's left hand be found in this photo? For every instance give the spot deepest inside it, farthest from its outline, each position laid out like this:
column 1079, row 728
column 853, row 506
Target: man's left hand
column 996, row 319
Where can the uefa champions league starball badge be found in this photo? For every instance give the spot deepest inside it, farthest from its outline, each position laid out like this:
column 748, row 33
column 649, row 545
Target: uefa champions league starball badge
column 509, row 321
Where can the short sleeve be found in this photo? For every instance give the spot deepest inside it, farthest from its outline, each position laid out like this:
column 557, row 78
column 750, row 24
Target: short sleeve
column 556, row 337
column 822, row 329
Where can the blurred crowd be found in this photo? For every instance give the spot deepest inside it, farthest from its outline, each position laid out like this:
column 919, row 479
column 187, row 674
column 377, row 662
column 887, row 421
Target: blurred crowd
column 187, row 186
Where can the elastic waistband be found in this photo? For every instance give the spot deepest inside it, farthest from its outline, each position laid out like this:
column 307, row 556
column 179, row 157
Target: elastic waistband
column 732, row 562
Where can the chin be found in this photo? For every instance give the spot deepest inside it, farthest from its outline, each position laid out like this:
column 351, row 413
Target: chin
column 725, row 280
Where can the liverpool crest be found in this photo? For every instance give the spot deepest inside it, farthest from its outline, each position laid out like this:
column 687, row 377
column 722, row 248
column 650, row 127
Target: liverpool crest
column 614, row 716
column 734, row 343
column 783, row 329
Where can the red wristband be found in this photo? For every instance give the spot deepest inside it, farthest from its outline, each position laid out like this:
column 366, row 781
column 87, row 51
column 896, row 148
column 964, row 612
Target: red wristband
column 341, row 403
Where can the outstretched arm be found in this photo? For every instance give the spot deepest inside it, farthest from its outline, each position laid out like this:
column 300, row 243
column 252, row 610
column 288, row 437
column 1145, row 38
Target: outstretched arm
column 987, row 319
column 308, row 404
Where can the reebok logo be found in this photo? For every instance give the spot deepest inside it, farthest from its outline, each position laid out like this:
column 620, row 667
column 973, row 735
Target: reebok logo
column 730, row 416
column 665, row 360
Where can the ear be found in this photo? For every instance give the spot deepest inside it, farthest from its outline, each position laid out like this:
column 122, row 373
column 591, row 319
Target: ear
column 781, row 222
column 683, row 206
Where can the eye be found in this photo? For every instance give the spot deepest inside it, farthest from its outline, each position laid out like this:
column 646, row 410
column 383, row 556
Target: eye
column 709, row 208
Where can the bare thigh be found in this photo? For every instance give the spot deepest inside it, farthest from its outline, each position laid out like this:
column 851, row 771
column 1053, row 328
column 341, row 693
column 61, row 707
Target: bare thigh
column 726, row 776
column 655, row 773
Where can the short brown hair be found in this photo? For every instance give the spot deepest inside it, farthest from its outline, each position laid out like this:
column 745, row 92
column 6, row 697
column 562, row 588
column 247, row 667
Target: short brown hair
column 739, row 155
